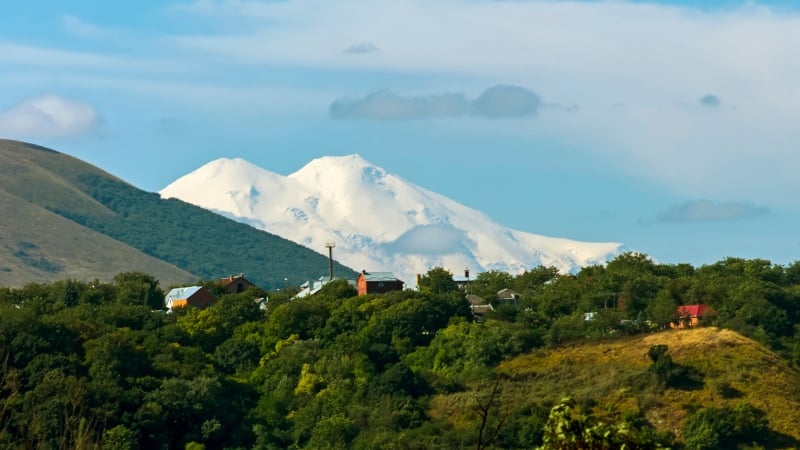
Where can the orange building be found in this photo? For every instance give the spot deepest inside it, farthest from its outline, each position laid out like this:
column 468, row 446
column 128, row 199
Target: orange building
column 377, row 283
column 194, row 296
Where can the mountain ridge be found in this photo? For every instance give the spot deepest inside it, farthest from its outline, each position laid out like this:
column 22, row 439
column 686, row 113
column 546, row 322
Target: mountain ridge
column 67, row 197
column 379, row 220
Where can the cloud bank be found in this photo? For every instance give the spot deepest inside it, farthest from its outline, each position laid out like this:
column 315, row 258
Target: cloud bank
column 432, row 240
column 496, row 102
column 575, row 53
column 707, row 211
column 48, row 115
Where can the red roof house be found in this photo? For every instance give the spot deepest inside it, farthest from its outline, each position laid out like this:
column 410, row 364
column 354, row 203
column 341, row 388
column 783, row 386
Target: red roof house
column 235, row 284
column 692, row 315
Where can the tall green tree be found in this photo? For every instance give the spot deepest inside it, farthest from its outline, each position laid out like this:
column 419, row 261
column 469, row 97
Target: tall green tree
column 437, row 281
column 138, row 288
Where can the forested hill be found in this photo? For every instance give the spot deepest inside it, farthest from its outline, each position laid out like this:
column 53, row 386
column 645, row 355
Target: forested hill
column 193, row 241
column 93, row 366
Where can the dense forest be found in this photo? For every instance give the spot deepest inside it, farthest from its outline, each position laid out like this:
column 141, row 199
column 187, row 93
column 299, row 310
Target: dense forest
column 101, row 365
column 176, row 232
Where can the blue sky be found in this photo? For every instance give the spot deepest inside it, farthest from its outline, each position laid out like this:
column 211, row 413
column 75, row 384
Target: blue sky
column 671, row 127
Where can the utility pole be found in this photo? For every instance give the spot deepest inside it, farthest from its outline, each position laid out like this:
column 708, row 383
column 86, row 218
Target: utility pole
column 330, row 245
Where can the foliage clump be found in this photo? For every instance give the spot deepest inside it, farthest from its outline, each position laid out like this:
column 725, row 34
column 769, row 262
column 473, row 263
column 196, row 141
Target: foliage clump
column 711, row 428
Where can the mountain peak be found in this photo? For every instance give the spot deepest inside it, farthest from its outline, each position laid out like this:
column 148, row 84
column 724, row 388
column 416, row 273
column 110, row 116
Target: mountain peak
column 237, row 165
column 379, row 220
column 336, row 169
column 352, row 162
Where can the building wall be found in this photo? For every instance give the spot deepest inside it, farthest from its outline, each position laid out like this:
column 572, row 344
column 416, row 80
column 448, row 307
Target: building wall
column 381, row 287
column 238, row 286
column 202, row 299
column 365, row 287
column 361, row 285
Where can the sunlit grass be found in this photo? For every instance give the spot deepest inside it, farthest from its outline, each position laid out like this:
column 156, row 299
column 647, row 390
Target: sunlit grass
column 609, row 378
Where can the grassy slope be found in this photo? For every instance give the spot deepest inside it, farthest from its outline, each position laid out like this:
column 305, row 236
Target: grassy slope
column 183, row 235
column 37, row 245
column 605, row 373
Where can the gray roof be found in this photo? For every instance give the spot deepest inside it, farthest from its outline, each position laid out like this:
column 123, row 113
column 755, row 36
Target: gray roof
column 379, row 276
column 312, row 287
column 507, row 293
column 182, row 293
column 475, row 300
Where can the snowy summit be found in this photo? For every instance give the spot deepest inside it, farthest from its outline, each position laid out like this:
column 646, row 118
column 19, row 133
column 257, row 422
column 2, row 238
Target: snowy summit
column 379, row 221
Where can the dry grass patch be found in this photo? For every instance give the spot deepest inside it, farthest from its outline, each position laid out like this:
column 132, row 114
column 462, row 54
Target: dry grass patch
column 606, row 377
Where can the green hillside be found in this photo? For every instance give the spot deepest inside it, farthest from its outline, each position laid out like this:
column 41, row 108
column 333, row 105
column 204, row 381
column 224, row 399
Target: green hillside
column 610, row 379
column 190, row 238
column 37, row 245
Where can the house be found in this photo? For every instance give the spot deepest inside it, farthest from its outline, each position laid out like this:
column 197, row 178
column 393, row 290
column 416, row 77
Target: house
column 235, row 284
column 310, row 288
column 463, row 282
column 478, row 306
column 195, row 296
column 377, row 283
column 508, row 295
column 692, row 315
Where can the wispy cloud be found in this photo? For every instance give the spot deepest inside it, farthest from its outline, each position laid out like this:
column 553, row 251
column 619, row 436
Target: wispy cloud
column 361, row 48
column 81, row 28
column 707, row 211
column 497, row 102
column 504, row 101
column 573, row 52
column 386, row 105
column 48, row 116
column 21, row 55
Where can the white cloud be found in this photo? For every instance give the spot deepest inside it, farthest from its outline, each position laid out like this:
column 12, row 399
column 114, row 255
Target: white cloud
column 657, row 60
column 706, row 211
column 48, row 116
column 496, row 102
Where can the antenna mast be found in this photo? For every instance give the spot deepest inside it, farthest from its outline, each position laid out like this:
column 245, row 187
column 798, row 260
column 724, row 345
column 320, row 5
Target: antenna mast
column 330, row 245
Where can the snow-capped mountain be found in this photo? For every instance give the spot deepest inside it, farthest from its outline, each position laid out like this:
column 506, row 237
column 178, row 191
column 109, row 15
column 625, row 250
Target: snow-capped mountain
column 378, row 221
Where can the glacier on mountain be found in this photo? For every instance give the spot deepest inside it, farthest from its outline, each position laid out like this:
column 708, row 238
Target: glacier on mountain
column 379, row 221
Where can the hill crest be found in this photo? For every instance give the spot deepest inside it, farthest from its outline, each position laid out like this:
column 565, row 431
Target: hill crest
column 733, row 368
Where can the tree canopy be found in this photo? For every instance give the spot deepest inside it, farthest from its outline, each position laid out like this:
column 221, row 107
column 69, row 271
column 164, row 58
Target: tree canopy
column 101, row 365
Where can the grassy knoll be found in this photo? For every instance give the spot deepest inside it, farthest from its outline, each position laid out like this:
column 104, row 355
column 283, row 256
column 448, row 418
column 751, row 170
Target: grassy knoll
column 612, row 379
